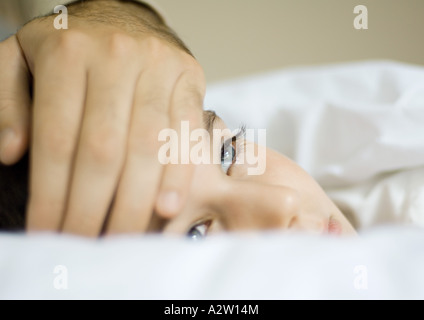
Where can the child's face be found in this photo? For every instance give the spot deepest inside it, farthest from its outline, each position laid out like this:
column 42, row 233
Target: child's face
column 284, row 197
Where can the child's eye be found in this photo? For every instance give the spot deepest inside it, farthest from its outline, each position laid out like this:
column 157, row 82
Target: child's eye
column 231, row 149
column 199, row 231
column 228, row 155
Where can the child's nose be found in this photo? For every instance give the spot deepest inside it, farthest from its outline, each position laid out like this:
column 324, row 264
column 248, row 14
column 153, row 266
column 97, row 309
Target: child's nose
column 250, row 206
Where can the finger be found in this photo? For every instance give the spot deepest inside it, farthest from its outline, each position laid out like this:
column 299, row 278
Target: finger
column 59, row 95
column 138, row 187
column 101, row 150
column 186, row 116
column 14, row 102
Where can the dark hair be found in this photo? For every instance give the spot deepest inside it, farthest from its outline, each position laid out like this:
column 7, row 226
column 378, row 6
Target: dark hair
column 13, row 195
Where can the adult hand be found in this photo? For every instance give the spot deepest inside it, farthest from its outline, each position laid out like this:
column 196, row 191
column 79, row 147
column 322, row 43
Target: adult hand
column 102, row 91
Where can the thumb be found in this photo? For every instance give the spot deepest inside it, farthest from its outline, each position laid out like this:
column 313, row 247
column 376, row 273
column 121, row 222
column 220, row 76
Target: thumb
column 14, row 102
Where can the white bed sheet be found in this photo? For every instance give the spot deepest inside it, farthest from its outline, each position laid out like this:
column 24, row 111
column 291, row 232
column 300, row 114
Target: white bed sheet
column 386, row 263
column 373, row 168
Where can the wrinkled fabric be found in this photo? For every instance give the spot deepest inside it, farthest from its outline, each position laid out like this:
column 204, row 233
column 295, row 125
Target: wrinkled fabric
column 357, row 128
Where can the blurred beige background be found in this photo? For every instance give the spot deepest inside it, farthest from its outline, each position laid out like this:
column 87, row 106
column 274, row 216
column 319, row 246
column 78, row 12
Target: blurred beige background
column 233, row 38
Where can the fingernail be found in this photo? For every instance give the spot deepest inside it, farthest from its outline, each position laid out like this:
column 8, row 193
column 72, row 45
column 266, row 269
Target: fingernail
column 169, row 203
column 6, row 136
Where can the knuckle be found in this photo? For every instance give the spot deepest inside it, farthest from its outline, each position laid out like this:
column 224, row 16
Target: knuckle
column 13, row 111
column 6, row 106
column 189, row 112
column 154, row 105
column 192, row 95
column 194, row 73
column 195, row 69
column 57, row 142
column 121, row 45
column 144, row 142
column 154, row 46
column 103, row 146
column 67, row 44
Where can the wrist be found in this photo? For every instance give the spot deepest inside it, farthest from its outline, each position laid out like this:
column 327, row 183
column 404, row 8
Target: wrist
column 129, row 13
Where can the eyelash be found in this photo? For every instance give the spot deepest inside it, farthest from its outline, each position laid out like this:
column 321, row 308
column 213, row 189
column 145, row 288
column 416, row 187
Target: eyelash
column 237, row 143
